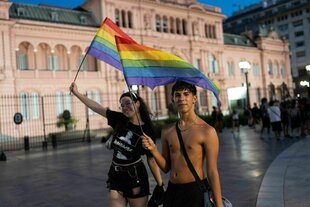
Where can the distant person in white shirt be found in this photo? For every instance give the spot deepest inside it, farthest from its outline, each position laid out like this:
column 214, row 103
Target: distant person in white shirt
column 275, row 118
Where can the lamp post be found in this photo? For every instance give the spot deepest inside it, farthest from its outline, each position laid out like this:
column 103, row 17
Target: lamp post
column 245, row 67
column 306, row 83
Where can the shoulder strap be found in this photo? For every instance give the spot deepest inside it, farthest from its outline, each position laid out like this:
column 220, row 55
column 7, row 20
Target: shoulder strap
column 201, row 184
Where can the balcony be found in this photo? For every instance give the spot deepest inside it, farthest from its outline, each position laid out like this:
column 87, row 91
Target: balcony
column 59, row 74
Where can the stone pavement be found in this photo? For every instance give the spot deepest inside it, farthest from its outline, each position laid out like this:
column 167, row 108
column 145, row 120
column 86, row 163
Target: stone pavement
column 254, row 171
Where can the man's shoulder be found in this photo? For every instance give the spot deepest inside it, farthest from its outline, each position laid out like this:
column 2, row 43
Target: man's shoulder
column 169, row 127
column 205, row 126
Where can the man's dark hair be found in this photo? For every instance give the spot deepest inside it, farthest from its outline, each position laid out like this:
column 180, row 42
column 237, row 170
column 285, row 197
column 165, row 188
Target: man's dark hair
column 181, row 85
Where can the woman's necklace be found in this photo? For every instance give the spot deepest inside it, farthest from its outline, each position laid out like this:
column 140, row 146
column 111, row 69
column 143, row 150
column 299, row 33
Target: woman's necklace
column 189, row 126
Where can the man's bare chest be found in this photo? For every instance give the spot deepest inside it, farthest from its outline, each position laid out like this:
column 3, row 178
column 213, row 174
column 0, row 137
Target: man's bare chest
column 192, row 142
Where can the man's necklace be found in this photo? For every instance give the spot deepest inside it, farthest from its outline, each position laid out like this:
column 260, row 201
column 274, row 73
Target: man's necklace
column 189, row 126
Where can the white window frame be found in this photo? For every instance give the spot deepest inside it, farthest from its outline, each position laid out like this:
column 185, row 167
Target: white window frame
column 35, row 106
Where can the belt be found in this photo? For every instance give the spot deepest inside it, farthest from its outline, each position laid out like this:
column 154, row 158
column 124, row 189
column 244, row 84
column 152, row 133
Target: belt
column 125, row 167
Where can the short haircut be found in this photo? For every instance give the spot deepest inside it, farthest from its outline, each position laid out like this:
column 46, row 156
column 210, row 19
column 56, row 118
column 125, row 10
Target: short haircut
column 181, row 85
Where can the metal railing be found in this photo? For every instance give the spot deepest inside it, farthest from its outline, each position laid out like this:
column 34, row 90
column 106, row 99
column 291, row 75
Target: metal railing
column 41, row 121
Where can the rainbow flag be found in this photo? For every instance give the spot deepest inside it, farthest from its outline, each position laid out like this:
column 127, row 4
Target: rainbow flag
column 150, row 67
column 103, row 46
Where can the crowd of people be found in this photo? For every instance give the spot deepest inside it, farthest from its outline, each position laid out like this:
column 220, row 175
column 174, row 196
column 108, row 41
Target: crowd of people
column 290, row 118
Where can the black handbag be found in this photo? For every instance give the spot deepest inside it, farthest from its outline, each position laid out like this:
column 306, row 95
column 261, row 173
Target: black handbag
column 207, row 193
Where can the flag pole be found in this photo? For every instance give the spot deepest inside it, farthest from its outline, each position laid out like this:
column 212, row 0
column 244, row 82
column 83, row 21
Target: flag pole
column 80, row 66
column 134, row 106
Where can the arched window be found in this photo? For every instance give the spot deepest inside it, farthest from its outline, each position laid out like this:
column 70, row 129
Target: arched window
column 230, row 68
column 282, row 70
column 214, row 32
column 184, row 26
column 52, row 61
column 165, row 24
column 213, row 64
column 178, row 24
column 22, row 61
column 269, row 68
column 25, row 56
column 84, row 64
column 117, row 17
column 130, row 19
column 124, row 19
column 256, row 70
column 275, row 69
column 158, row 23
column 172, row 25
column 207, row 31
column 197, row 63
column 210, row 31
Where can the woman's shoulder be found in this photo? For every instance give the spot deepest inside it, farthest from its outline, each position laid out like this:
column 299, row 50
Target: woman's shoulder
column 114, row 114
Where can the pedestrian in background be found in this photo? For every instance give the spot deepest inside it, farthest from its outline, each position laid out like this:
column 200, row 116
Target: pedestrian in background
column 275, row 118
column 265, row 116
column 235, row 120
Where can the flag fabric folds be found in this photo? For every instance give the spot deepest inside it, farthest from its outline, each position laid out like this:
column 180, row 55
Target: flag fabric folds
column 150, row 67
column 103, row 46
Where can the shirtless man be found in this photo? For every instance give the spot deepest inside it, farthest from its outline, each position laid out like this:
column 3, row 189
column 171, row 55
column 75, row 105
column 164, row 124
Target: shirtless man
column 201, row 142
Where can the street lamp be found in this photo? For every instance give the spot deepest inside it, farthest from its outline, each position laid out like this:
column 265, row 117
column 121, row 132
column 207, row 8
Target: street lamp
column 245, row 67
column 306, row 83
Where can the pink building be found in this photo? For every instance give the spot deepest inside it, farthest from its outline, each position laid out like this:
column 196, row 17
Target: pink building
column 42, row 47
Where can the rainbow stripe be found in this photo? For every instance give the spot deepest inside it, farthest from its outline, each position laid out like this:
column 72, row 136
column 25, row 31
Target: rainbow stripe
column 150, row 67
column 103, row 46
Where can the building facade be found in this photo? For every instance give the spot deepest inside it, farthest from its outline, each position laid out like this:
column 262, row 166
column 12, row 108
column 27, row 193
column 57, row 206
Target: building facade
column 42, row 48
column 291, row 20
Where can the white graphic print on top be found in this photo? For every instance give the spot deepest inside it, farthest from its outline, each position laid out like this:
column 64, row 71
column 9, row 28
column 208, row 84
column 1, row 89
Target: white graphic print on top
column 125, row 144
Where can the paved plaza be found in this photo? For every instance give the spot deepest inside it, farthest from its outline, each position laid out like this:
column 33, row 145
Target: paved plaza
column 255, row 172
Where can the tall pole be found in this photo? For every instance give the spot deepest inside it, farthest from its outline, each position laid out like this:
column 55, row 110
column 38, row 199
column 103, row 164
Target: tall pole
column 308, row 73
column 245, row 66
column 247, row 89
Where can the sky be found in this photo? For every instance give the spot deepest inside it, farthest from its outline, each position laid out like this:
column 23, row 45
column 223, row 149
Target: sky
column 228, row 6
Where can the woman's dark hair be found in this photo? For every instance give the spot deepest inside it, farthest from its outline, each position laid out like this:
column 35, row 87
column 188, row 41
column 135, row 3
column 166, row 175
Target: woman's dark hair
column 143, row 109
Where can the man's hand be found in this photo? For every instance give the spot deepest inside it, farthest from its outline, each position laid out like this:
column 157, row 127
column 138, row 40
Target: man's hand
column 148, row 143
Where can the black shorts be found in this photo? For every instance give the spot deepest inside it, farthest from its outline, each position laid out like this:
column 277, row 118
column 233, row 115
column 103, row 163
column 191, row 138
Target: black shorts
column 276, row 126
column 184, row 195
column 126, row 178
column 266, row 122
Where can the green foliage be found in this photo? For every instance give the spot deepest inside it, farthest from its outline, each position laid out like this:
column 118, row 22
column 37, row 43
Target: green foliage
column 68, row 124
column 159, row 124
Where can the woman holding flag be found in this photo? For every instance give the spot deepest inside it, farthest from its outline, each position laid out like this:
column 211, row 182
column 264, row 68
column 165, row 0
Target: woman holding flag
column 127, row 178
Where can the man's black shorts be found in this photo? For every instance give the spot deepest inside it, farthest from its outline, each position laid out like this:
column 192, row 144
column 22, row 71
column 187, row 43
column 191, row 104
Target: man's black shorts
column 183, row 195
